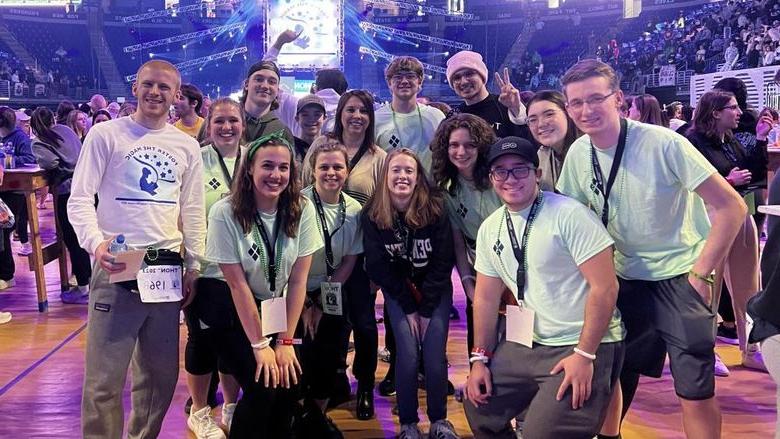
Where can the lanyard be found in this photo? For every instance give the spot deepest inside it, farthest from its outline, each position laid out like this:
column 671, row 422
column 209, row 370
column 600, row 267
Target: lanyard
column 518, row 250
column 228, row 176
column 324, row 223
column 274, row 254
column 728, row 151
column 404, row 234
column 598, row 176
column 422, row 130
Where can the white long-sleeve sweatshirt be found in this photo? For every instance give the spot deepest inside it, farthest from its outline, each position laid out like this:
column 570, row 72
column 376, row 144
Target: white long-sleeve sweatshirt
column 145, row 181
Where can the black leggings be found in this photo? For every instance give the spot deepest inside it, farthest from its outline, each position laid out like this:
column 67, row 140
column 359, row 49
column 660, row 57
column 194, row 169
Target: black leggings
column 79, row 258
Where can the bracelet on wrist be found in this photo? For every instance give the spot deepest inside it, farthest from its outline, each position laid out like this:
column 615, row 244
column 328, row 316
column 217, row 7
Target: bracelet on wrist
column 262, row 344
column 288, row 341
column 591, row 357
column 480, row 358
column 710, row 280
column 477, row 351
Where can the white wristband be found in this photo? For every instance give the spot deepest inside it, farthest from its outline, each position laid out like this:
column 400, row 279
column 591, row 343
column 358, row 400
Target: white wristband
column 262, row 344
column 579, row 351
column 483, row 358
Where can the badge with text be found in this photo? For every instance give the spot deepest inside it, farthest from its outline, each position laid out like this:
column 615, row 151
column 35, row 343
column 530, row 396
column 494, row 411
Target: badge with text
column 520, row 325
column 331, row 298
column 160, row 283
column 274, row 315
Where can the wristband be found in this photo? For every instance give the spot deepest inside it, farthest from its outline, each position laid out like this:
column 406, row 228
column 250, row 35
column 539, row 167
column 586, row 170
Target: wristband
column 262, row 344
column 481, row 352
column 288, row 341
column 468, row 277
column 578, row 351
column 481, row 358
column 709, row 279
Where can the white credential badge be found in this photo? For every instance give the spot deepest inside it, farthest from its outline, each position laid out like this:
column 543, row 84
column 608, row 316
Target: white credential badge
column 331, row 298
column 160, row 283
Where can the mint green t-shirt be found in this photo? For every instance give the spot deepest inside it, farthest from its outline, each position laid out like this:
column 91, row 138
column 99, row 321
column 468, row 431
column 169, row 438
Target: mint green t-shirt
column 226, row 243
column 468, row 208
column 564, row 236
column 347, row 239
column 217, row 187
column 658, row 222
column 408, row 130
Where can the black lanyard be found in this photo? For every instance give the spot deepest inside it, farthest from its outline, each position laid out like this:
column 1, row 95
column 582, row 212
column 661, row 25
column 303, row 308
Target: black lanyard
column 519, row 251
column 407, row 236
column 228, row 176
column 269, row 248
column 328, row 236
column 598, row 176
column 728, row 151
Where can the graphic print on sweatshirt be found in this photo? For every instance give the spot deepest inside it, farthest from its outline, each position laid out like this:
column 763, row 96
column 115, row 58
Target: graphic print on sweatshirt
column 153, row 172
column 421, row 248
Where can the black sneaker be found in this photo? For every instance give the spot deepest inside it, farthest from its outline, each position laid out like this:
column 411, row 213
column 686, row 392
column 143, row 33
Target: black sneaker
column 387, row 387
column 728, row 335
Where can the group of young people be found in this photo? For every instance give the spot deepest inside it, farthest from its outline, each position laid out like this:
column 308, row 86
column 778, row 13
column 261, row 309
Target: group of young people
column 585, row 244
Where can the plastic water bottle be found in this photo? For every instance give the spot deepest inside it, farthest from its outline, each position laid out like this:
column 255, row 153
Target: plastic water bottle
column 118, row 245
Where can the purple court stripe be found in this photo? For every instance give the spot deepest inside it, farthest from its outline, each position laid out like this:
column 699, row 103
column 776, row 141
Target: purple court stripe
column 32, row 367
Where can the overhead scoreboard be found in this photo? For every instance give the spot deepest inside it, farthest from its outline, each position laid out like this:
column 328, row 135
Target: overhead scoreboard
column 321, row 27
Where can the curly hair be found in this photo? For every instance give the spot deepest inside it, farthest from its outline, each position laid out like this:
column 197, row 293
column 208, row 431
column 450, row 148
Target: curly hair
column 445, row 174
column 290, row 206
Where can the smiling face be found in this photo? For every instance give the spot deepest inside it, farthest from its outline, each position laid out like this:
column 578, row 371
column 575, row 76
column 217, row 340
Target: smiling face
column 468, row 84
column 262, row 87
column 311, row 118
column 226, row 126
column 330, row 171
column 516, row 193
column 271, row 172
column 462, row 151
column 548, row 123
column 355, row 117
column 401, row 177
column 603, row 111
column 156, row 89
column 405, row 85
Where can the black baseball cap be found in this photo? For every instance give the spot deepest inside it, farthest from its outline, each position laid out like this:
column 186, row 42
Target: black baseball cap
column 515, row 146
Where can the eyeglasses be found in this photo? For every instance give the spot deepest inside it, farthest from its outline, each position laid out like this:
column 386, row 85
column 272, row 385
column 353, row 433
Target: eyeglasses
column 730, row 107
column 501, row 174
column 411, row 76
column 546, row 117
column 592, row 101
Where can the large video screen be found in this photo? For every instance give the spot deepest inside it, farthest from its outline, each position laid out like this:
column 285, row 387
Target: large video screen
column 321, row 27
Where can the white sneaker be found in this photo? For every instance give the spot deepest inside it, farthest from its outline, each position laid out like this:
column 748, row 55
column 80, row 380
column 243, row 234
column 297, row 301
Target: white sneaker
column 752, row 359
column 442, row 429
column 26, row 249
column 5, row 317
column 227, row 414
column 720, row 369
column 6, row 284
column 202, row 424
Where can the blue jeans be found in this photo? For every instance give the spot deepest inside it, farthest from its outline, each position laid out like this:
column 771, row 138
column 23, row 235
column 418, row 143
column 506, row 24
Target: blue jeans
column 434, row 350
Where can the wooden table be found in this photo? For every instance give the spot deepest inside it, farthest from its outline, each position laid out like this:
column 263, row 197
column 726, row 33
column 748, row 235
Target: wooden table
column 27, row 180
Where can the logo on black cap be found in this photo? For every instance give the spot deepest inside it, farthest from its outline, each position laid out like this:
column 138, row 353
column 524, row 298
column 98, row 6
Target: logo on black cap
column 508, row 145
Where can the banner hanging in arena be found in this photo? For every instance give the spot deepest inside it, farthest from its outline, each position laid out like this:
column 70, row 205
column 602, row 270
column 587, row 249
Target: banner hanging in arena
column 666, row 76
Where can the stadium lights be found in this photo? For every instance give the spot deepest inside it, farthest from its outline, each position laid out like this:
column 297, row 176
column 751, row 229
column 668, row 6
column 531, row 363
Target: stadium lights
column 376, row 54
column 368, row 26
column 203, row 60
column 420, row 9
column 185, row 37
column 171, row 11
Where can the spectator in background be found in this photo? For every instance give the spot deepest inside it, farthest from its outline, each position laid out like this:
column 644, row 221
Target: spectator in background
column 77, row 121
column 100, row 116
column 645, row 108
column 674, row 112
column 14, row 139
column 63, row 111
column 126, row 109
column 113, row 109
column 187, row 106
column 23, row 122
column 97, row 102
column 731, row 56
column 204, row 109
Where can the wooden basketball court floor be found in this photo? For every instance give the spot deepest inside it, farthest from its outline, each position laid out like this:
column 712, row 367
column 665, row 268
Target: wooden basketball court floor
column 42, row 369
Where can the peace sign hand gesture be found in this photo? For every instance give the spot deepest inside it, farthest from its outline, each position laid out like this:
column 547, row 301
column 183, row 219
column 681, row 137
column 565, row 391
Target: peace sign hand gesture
column 510, row 96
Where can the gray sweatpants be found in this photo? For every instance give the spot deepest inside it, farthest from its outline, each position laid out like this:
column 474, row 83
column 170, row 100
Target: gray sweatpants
column 121, row 329
column 521, row 380
column 770, row 348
